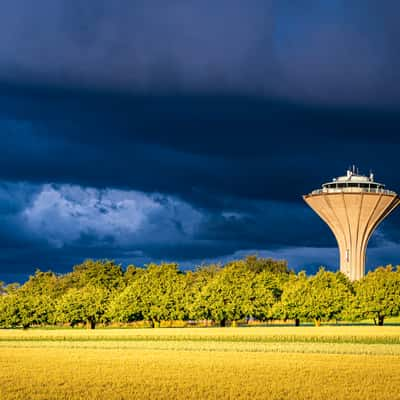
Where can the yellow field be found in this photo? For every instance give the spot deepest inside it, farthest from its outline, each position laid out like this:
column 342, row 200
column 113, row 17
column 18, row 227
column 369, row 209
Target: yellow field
column 247, row 363
column 327, row 330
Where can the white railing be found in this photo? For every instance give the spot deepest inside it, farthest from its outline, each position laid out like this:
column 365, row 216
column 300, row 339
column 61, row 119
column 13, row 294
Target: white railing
column 353, row 190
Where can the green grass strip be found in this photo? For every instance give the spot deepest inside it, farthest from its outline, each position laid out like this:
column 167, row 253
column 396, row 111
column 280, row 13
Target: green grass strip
column 387, row 339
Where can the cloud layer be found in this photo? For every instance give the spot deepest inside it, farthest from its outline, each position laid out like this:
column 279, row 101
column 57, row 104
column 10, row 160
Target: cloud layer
column 189, row 130
column 55, row 226
column 326, row 52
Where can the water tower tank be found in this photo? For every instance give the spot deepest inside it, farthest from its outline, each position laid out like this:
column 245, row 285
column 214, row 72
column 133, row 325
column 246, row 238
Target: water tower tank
column 352, row 206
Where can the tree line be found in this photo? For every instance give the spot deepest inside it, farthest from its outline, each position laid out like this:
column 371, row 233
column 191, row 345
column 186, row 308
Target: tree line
column 263, row 289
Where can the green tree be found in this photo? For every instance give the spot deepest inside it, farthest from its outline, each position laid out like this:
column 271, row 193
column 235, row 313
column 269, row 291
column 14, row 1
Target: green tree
column 84, row 305
column 258, row 264
column 328, row 295
column 9, row 311
column 131, row 273
column 126, row 305
column 293, row 304
column 12, row 287
column 33, row 303
column 37, row 298
column 378, row 295
column 321, row 297
column 98, row 273
column 196, row 306
column 157, row 294
column 229, row 295
column 267, row 291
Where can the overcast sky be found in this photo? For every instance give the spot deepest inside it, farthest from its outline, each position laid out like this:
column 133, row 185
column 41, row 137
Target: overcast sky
column 188, row 131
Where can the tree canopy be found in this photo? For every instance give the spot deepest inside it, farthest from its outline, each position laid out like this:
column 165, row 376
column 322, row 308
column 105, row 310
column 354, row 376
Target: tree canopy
column 253, row 288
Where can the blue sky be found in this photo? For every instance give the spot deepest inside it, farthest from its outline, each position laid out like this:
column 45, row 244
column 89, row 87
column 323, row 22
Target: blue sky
column 188, row 131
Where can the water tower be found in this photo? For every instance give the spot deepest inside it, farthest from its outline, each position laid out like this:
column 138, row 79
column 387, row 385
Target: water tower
column 353, row 206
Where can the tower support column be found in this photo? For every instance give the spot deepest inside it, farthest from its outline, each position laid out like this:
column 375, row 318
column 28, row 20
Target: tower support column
column 352, row 217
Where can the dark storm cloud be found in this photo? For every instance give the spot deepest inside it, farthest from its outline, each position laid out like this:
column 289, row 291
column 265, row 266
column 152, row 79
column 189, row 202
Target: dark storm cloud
column 329, row 52
column 56, row 226
column 240, row 163
column 189, row 131
column 134, row 45
column 198, row 147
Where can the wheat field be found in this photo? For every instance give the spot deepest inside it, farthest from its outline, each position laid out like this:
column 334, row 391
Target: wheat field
column 357, row 362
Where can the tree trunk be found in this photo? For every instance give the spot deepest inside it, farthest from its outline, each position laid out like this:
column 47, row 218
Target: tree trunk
column 91, row 324
column 380, row 320
column 297, row 322
column 151, row 322
column 222, row 322
column 317, row 321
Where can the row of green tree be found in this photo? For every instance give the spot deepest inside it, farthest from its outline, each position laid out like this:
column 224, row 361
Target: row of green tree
column 249, row 289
